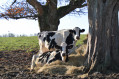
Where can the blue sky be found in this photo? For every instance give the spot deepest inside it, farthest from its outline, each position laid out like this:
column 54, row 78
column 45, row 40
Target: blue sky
column 25, row 26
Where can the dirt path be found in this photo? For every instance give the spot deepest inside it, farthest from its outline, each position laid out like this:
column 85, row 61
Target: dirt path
column 14, row 65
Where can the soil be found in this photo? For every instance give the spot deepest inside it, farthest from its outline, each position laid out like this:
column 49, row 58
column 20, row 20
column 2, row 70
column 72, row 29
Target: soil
column 15, row 64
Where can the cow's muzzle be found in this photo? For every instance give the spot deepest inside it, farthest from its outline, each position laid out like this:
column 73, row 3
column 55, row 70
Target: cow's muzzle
column 63, row 54
column 77, row 37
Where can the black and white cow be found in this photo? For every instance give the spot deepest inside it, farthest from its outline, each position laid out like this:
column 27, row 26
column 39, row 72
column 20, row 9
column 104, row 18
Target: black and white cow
column 50, row 56
column 63, row 40
column 53, row 40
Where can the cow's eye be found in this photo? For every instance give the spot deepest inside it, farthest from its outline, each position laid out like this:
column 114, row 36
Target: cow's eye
column 39, row 36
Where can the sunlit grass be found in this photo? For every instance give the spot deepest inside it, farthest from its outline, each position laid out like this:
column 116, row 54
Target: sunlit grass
column 27, row 44
column 19, row 43
column 82, row 38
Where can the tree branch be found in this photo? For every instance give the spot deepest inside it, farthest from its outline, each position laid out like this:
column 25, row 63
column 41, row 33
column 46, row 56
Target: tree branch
column 37, row 6
column 14, row 2
column 62, row 11
column 31, row 17
column 20, row 17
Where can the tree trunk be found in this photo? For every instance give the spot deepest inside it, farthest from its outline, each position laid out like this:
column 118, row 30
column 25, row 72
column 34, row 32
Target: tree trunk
column 48, row 22
column 103, row 38
column 49, row 14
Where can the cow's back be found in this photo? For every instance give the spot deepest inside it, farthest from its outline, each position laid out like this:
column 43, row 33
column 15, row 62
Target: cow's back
column 50, row 38
column 61, row 36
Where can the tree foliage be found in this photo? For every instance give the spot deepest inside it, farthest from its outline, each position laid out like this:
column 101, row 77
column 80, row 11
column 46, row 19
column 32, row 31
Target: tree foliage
column 19, row 10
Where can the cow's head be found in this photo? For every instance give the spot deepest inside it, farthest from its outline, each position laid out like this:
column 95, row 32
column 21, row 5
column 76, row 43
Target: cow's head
column 76, row 33
column 64, row 51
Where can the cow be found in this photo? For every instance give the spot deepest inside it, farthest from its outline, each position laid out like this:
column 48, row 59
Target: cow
column 63, row 40
column 50, row 56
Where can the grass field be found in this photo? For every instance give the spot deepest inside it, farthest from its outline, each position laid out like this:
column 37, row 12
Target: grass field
column 27, row 44
column 19, row 43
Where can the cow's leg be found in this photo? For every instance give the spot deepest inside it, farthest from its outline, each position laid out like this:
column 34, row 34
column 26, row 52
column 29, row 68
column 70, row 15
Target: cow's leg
column 73, row 49
column 33, row 62
column 67, row 58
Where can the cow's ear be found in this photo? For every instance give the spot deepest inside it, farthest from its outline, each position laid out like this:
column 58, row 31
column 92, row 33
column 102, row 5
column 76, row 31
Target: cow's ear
column 39, row 35
column 82, row 30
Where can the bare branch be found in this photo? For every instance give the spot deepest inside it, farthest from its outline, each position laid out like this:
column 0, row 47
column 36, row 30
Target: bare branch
column 37, row 6
column 13, row 2
column 20, row 17
column 62, row 11
column 20, row 10
column 28, row 17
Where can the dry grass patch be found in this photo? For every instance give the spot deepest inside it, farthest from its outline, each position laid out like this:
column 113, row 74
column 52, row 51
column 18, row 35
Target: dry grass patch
column 81, row 50
column 73, row 67
column 53, row 69
column 61, row 69
column 76, row 60
column 73, row 70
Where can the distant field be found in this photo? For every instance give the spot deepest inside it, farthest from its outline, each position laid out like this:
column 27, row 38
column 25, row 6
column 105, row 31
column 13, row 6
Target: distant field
column 19, row 43
column 27, row 44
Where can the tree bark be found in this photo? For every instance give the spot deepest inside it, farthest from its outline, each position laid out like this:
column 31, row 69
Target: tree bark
column 37, row 5
column 49, row 21
column 47, row 15
column 103, row 38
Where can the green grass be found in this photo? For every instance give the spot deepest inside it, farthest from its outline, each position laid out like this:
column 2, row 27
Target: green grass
column 24, row 43
column 19, row 43
column 82, row 38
